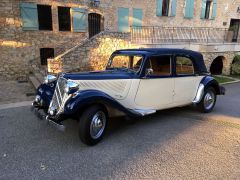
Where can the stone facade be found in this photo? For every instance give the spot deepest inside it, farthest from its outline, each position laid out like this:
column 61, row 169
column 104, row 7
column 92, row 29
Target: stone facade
column 20, row 48
column 227, row 58
column 93, row 54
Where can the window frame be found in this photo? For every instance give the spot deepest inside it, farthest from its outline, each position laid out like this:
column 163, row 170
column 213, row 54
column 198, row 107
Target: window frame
column 158, row 76
column 129, row 55
column 175, row 65
column 40, row 27
column 208, row 9
column 70, row 19
column 167, row 8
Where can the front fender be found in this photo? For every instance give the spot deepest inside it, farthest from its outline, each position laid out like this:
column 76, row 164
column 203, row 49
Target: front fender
column 88, row 97
column 46, row 93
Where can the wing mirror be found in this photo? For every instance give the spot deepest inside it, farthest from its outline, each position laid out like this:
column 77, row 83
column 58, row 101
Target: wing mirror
column 149, row 71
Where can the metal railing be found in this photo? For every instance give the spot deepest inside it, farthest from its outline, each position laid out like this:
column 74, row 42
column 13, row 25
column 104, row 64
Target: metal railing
column 170, row 35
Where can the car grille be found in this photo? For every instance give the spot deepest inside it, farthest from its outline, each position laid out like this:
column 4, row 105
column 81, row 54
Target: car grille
column 59, row 96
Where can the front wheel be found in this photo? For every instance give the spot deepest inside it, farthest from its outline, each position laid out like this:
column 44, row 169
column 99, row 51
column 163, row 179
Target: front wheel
column 92, row 125
column 208, row 101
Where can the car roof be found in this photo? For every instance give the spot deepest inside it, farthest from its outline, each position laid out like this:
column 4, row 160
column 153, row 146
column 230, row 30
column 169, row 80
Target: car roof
column 159, row 50
column 196, row 56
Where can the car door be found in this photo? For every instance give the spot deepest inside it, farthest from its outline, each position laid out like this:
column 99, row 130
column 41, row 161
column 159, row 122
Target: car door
column 156, row 89
column 186, row 82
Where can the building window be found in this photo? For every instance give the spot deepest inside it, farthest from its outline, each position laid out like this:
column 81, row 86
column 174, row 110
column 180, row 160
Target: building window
column 165, row 7
column 46, row 53
column 44, row 17
column 64, row 19
column 208, row 8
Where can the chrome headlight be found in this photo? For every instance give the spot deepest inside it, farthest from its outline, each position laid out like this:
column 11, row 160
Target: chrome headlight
column 71, row 87
column 49, row 79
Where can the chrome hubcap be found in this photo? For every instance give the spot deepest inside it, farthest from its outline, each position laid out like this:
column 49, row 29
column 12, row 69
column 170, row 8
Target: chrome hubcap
column 209, row 100
column 97, row 125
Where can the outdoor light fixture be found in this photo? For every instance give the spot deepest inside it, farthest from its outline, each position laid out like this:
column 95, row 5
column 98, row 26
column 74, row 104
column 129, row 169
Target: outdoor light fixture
column 95, row 3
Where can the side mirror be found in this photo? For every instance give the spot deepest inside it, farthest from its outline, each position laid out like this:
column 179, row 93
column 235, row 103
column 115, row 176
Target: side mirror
column 149, row 71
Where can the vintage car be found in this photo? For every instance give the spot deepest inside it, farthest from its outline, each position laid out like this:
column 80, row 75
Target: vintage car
column 136, row 82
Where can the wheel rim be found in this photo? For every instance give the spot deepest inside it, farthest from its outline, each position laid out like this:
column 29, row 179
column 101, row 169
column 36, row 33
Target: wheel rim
column 98, row 124
column 209, row 100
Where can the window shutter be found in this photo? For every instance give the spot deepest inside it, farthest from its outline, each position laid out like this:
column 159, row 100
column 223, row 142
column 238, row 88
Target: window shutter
column 137, row 17
column 159, row 7
column 203, row 9
column 189, row 9
column 214, row 9
column 29, row 16
column 123, row 19
column 79, row 16
column 173, row 8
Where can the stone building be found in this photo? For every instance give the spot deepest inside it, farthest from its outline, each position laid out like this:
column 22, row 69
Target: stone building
column 79, row 35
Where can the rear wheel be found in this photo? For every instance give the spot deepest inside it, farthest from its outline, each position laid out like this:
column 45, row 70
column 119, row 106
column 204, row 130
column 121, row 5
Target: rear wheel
column 92, row 125
column 208, row 101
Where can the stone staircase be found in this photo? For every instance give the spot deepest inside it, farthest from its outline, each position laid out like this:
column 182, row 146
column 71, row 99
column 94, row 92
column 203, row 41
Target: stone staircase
column 38, row 72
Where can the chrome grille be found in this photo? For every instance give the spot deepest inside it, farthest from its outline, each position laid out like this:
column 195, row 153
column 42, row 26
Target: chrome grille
column 59, row 96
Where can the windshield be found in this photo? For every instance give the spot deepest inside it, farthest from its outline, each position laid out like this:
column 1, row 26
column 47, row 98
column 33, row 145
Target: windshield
column 125, row 62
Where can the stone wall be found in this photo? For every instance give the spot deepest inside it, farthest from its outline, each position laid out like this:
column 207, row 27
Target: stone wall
column 93, row 54
column 227, row 58
column 18, row 47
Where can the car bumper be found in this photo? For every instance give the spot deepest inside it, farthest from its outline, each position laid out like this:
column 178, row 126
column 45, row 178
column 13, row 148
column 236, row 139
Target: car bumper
column 54, row 121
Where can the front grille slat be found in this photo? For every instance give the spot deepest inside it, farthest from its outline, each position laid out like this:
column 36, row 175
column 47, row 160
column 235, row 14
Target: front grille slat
column 59, row 95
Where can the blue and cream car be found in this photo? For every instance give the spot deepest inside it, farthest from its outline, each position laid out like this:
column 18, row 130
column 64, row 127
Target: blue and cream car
column 136, row 82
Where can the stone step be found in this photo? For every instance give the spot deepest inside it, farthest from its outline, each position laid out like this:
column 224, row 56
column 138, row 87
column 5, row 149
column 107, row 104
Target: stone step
column 43, row 72
column 39, row 76
column 34, row 81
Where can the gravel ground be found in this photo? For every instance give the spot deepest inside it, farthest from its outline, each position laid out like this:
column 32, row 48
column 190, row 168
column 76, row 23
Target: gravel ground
column 179, row 143
column 13, row 91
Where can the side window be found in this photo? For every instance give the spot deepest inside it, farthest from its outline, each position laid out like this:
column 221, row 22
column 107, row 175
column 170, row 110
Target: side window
column 184, row 66
column 161, row 65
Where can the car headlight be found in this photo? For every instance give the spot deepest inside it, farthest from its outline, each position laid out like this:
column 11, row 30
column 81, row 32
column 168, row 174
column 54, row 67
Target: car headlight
column 49, row 79
column 71, row 87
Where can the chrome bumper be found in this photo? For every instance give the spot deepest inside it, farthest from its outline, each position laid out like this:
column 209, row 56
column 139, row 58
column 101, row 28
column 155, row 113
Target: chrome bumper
column 42, row 115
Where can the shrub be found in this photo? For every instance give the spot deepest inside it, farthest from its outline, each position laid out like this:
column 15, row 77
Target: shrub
column 235, row 67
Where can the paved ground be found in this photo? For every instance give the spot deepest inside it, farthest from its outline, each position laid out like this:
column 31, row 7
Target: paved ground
column 13, row 91
column 174, row 144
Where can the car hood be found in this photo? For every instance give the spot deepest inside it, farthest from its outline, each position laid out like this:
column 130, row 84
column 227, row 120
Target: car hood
column 98, row 75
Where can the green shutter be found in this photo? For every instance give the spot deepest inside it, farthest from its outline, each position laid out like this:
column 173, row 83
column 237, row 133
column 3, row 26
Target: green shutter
column 173, row 8
column 203, row 9
column 159, row 7
column 29, row 16
column 214, row 9
column 189, row 9
column 137, row 17
column 123, row 19
column 79, row 16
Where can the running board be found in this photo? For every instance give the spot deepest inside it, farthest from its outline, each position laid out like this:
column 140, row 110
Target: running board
column 144, row 112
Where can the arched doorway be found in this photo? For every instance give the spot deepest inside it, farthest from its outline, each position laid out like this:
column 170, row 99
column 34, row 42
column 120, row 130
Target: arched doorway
column 217, row 65
column 95, row 24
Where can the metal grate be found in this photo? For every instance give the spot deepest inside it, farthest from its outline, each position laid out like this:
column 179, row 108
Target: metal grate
column 161, row 35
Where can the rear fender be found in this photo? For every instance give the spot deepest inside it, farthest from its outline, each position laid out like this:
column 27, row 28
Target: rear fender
column 208, row 81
